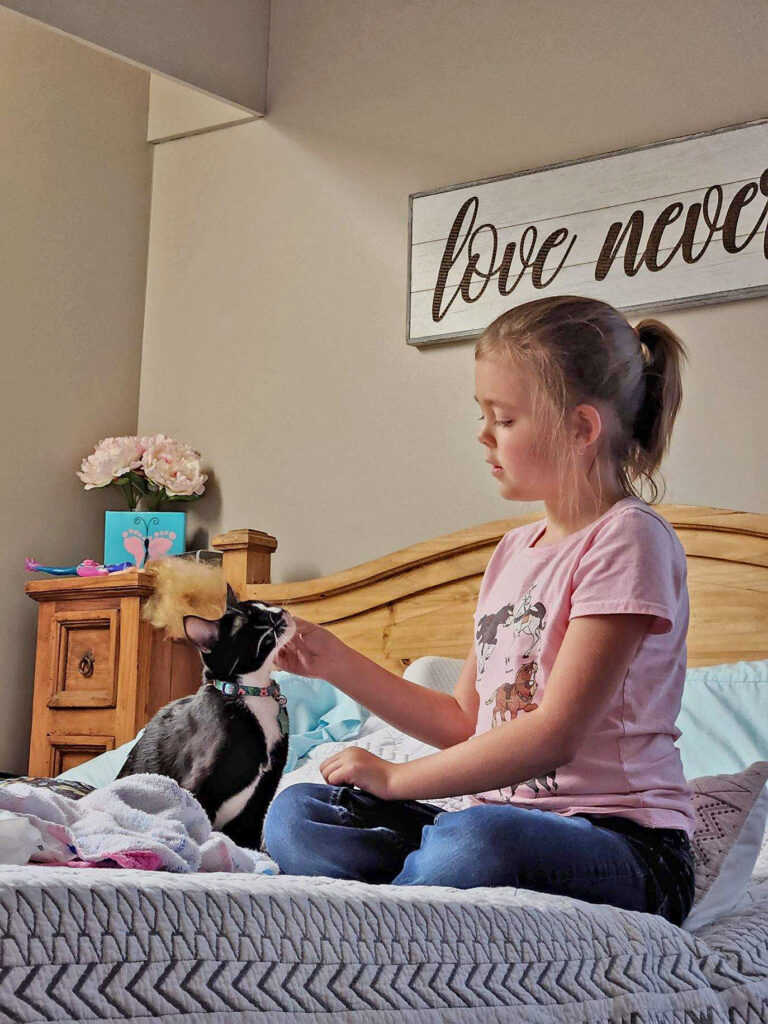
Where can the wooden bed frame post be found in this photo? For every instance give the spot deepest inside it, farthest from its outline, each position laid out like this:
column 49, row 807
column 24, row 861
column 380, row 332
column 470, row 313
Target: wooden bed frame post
column 247, row 555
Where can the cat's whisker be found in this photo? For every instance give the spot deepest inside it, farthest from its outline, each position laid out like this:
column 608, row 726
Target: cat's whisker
column 262, row 640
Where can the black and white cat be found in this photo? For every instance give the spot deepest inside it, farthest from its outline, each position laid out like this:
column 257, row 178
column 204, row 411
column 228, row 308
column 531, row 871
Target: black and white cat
column 228, row 743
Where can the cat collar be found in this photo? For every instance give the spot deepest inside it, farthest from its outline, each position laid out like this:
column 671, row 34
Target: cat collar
column 230, row 689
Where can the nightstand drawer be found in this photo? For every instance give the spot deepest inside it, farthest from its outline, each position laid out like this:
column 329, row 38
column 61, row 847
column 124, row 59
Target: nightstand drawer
column 85, row 646
column 68, row 751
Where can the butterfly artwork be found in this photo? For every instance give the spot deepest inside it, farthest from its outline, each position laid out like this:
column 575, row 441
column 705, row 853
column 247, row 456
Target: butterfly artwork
column 143, row 536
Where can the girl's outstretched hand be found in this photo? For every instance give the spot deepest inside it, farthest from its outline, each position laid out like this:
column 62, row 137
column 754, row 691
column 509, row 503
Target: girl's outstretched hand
column 312, row 651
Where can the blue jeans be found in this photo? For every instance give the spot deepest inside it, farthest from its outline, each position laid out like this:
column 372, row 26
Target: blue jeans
column 316, row 829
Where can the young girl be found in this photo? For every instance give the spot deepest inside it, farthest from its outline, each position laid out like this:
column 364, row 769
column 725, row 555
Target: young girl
column 561, row 731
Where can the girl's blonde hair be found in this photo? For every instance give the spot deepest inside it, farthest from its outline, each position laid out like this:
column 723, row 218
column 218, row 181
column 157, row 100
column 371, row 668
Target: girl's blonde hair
column 574, row 350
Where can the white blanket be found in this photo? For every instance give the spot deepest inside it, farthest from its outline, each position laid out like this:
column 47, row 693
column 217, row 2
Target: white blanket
column 142, row 821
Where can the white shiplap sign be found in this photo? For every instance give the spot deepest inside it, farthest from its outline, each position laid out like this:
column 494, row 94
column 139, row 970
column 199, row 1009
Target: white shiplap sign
column 677, row 223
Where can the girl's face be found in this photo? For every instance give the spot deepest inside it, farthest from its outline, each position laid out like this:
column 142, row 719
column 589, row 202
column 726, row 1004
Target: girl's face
column 508, row 433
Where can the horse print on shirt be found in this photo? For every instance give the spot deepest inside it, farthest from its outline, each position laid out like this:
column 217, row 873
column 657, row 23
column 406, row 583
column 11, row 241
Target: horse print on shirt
column 530, row 620
column 487, row 632
column 510, row 698
column 513, row 697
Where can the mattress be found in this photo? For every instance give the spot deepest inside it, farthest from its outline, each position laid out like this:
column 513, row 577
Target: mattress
column 84, row 944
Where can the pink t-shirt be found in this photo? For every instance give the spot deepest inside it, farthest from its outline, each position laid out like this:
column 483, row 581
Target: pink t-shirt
column 628, row 560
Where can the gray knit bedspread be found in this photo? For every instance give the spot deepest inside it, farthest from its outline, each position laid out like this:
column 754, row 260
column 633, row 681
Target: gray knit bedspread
column 85, row 944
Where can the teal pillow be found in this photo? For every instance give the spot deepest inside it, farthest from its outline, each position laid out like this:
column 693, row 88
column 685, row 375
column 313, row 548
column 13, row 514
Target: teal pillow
column 723, row 718
column 317, row 713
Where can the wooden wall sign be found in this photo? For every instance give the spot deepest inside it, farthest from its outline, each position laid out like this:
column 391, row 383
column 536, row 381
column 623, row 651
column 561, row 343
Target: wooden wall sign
column 677, row 223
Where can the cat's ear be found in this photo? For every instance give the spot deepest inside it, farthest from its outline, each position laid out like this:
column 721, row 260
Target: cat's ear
column 232, row 601
column 202, row 632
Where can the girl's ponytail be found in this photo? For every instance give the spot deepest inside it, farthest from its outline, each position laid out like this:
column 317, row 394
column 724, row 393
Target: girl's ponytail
column 663, row 354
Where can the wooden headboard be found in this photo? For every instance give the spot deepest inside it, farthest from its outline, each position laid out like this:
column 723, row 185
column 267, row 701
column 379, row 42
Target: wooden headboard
column 420, row 600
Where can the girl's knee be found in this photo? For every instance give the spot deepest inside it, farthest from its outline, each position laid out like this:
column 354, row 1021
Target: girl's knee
column 285, row 817
column 458, row 850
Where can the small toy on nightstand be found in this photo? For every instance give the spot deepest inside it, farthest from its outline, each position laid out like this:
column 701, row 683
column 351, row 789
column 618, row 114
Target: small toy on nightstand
column 88, row 567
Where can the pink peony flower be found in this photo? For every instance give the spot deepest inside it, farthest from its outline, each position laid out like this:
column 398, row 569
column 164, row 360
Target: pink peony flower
column 111, row 458
column 152, row 469
column 174, row 465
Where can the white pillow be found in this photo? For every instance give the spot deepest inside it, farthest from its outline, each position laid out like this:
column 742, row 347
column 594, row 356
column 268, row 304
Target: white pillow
column 435, row 673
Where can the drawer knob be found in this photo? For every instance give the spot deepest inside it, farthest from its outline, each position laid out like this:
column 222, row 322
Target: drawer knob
column 86, row 664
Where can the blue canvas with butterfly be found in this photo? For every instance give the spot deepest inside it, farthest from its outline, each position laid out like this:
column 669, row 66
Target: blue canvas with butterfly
column 138, row 536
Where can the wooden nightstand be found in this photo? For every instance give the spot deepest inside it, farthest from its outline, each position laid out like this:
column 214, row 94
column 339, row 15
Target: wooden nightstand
column 101, row 671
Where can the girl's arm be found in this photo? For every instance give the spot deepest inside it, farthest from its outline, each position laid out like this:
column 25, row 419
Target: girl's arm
column 593, row 660
column 434, row 717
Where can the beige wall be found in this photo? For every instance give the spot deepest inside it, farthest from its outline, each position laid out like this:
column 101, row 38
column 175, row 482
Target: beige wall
column 75, row 188
column 275, row 323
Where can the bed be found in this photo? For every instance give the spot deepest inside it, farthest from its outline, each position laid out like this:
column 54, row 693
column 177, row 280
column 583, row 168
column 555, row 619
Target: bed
column 118, row 944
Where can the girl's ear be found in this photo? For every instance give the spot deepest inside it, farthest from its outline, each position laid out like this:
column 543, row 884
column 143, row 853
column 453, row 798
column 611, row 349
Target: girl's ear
column 587, row 423
column 202, row 632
